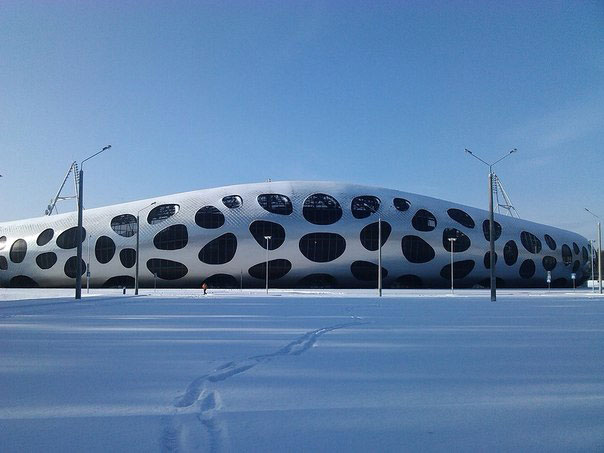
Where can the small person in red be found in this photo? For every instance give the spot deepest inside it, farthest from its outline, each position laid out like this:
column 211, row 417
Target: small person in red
column 204, row 286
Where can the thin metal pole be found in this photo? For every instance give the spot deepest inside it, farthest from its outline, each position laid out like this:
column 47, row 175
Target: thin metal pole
column 241, row 279
column 80, row 239
column 600, row 255
column 452, row 242
column 491, row 239
column 267, row 265
column 380, row 256
column 137, row 245
column 88, row 269
column 593, row 278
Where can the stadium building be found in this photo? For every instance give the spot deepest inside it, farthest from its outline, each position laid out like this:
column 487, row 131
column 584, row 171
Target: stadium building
column 322, row 235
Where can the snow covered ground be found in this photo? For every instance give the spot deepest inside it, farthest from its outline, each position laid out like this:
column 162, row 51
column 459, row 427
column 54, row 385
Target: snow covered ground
column 301, row 371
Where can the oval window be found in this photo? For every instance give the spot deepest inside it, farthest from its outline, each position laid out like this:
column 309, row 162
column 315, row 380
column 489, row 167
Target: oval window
column 366, row 271
column 461, row 269
column 45, row 237
column 167, row 269
column 161, row 213
column 46, row 260
column 400, row 204
column 423, row 220
column 68, row 239
column 124, row 225
column 2, row 242
column 220, row 250
column 550, row 242
column 369, row 235
column 71, row 267
column 549, row 263
column 363, row 206
column 3, row 263
column 318, row 281
column 576, row 248
column 322, row 247
column 584, row 255
column 209, row 217
column 260, row 229
column 173, row 237
column 496, row 230
column 527, row 268
column 461, row 242
column 222, row 281
column 510, row 253
column 487, row 259
column 321, row 209
column 128, row 257
column 416, row 250
column 232, row 201
column 275, row 203
column 276, row 269
column 567, row 255
column 530, row 242
column 407, row 282
column 461, row 217
column 18, row 251
column 104, row 249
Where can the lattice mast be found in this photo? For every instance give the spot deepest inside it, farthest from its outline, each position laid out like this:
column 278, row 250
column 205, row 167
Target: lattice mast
column 52, row 207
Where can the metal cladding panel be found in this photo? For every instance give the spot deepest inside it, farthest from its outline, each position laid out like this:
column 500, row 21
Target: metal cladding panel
column 97, row 222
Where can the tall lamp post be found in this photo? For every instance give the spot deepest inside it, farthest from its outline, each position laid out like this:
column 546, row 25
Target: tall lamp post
column 491, row 220
column 452, row 243
column 592, row 244
column 78, row 282
column 137, row 245
column 379, row 248
column 599, row 250
column 268, row 238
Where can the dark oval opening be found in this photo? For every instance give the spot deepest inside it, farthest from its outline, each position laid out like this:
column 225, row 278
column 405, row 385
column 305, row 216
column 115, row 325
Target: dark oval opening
column 260, row 229
column 550, row 242
column 18, row 251
column 46, row 260
column 461, row 242
column 220, row 250
column 174, row 237
column 322, row 247
column 549, row 263
column 209, row 217
column 161, row 213
column 366, row 271
column 222, row 281
column 364, row 205
column 461, row 217
column 167, row 269
column 104, row 249
column 510, row 253
column 128, row 258
column 576, row 248
column 318, row 281
column 68, row 239
column 232, row 201
column 119, row 281
column 416, row 250
column 3, row 263
column 321, row 209
column 2, row 242
column 461, row 269
column 400, row 204
column 276, row 269
column 496, row 230
column 275, row 203
column 423, row 220
column 530, row 242
column 45, row 237
column 124, row 225
column 369, row 235
column 23, row 281
column 527, row 268
column 407, row 282
column 487, row 259
column 567, row 255
column 71, row 267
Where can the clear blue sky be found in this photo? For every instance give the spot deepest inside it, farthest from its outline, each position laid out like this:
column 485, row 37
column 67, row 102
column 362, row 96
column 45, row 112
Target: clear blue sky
column 202, row 94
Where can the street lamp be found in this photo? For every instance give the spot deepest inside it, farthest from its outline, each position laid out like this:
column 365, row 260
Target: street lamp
column 599, row 250
column 452, row 243
column 491, row 219
column 379, row 248
column 88, row 268
column 137, row 245
column 592, row 244
column 78, row 282
column 267, row 239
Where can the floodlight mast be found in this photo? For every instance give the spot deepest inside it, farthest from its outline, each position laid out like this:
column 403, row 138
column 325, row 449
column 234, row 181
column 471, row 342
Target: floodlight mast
column 599, row 256
column 491, row 218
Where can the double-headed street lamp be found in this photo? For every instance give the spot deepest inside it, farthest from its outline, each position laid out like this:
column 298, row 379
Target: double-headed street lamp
column 268, row 238
column 599, row 230
column 452, row 243
column 491, row 219
column 80, row 239
column 138, row 223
